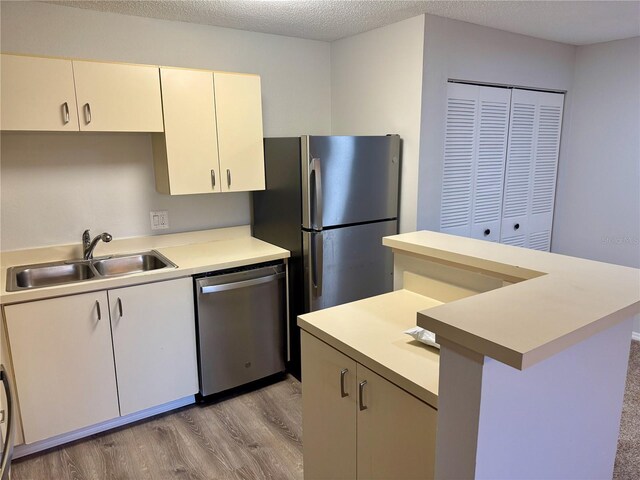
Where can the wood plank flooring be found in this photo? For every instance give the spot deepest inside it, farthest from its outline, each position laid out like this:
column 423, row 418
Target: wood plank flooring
column 257, row 435
column 254, row 436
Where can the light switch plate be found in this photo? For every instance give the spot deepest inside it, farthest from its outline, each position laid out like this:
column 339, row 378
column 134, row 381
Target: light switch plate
column 159, row 219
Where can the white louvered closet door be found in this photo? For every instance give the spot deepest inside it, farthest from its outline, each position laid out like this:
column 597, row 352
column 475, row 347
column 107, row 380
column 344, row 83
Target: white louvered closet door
column 474, row 160
column 531, row 169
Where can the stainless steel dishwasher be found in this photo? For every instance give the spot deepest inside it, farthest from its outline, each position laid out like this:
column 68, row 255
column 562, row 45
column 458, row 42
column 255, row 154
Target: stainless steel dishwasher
column 241, row 323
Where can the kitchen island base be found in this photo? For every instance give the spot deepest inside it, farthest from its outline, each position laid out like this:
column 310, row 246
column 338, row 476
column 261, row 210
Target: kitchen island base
column 558, row 419
column 531, row 373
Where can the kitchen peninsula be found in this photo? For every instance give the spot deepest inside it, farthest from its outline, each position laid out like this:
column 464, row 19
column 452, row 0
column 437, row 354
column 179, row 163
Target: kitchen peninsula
column 529, row 380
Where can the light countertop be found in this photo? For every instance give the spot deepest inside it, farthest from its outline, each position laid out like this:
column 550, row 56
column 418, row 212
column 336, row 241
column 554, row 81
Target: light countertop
column 556, row 302
column 371, row 332
column 192, row 252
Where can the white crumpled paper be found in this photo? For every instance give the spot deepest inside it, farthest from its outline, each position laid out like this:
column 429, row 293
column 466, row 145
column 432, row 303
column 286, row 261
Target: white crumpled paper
column 424, row 336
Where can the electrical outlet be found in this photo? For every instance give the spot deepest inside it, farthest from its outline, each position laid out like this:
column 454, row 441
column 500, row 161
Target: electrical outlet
column 159, row 220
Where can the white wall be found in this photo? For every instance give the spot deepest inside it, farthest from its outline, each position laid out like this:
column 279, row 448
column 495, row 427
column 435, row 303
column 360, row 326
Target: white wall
column 45, row 201
column 598, row 200
column 463, row 51
column 597, row 213
column 376, row 87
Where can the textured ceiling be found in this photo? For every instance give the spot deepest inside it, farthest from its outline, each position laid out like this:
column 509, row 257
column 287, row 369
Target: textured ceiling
column 573, row 22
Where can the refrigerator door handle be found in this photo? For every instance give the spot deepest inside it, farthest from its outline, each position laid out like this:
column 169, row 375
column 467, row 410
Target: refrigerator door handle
column 316, row 172
column 317, row 255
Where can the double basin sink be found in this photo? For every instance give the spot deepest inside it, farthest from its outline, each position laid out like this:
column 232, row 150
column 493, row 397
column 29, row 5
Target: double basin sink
column 62, row 273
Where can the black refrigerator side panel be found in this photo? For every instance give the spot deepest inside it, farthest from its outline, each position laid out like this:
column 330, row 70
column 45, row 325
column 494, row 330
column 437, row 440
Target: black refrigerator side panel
column 277, row 217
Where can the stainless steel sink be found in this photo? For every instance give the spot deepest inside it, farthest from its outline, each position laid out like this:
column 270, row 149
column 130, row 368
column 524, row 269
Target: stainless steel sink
column 48, row 275
column 61, row 273
column 122, row 265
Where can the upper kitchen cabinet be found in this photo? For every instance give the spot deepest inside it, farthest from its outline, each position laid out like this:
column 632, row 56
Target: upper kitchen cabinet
column 239, row 121
column 116, row 97
column 212, row 139
column 37, row 94
column 186, row 156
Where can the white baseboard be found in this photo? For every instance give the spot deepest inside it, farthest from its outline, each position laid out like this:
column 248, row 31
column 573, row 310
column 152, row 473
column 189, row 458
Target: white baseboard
column 28, row 449
column 635, row 336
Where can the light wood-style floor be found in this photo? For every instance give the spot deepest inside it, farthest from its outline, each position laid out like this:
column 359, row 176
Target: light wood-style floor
column 252, row 436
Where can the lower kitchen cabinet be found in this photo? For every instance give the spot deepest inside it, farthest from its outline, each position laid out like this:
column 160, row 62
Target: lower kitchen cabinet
column 63, row 349
column 154, row 343
column 63, row 363
column 329, row 391
column 357, row 424
column 396, row 431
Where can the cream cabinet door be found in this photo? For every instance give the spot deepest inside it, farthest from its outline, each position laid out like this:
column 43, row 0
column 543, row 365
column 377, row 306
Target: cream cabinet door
column 329, row 411
column 37, row 94
column 116, row 97
column 154, row 343
column 240, row 138
column 186, row 156
column 63, row 363
column 396, row 431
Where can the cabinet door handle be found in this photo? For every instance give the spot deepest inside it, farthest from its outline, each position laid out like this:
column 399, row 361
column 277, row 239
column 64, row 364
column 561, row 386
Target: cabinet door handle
column 213, row 179
column 87, row 113
column 120, row 306
column 516, row 226
column 487, row 232
column 98, row 310
column 228, row 178
column 343, row 372
column 361, row 404
column 65, row 112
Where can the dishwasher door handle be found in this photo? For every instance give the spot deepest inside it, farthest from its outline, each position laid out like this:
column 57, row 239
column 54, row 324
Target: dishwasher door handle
column 241, row 284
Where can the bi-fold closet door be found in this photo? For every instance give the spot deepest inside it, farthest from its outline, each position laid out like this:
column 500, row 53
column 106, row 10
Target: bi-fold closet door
column 531, row 169
column 474, row 158
column 500, row 162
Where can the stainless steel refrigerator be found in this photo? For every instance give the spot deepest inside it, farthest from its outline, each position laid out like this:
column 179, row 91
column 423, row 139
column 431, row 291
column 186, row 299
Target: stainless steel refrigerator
column 330, row 200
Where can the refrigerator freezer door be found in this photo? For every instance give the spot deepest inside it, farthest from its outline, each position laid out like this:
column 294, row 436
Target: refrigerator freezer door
column 347, row 180
column 347, row 264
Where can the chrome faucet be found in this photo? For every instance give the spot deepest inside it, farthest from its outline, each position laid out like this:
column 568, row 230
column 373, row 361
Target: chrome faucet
column 88, row 245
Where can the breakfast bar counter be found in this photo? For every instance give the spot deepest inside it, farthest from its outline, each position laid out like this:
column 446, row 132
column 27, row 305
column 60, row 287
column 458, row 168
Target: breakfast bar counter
column 530, row 374
column 555, row 301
